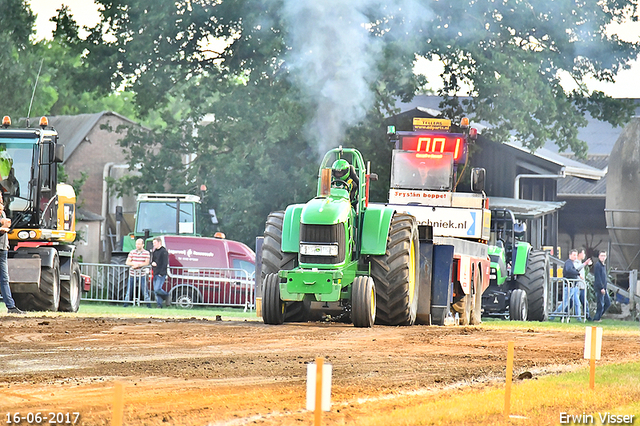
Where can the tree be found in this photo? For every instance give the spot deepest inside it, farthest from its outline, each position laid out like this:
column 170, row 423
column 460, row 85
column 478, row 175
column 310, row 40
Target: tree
column 279, row 62
column 512, row 55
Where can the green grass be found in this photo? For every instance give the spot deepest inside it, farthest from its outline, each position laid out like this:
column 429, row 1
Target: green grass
column 613, row 324
column 535, row 402
column 109, row 309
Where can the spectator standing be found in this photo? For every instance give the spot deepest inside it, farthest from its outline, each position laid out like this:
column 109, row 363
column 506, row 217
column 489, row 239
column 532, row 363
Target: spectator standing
column 159, row 263
column 600, row 286
column 581, row 265
column 137, row 261
column 570, row 293
column 5, row 290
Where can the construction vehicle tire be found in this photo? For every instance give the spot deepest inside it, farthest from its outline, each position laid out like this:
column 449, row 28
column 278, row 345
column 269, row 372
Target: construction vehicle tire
column 70, row 291
column 518, row 305
column 272, row 306
column 363, row 302
column 274, row 260
column 48, row 298
column 395, row 274
column 535, row 283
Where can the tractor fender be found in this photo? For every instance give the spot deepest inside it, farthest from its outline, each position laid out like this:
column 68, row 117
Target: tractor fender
column 375, row 229
column 291, row 228
column 520, row 257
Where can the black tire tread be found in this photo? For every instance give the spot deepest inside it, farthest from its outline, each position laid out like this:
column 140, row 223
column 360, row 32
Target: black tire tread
column 48, row 298
column 361, row 314
column 534, row 283
column 272, row 306
column 517, row 298
column 274, row 260
column 70, row 302
column 390, row 273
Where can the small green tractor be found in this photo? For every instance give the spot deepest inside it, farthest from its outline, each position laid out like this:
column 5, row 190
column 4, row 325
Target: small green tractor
column 519, row 275
column 338, row 254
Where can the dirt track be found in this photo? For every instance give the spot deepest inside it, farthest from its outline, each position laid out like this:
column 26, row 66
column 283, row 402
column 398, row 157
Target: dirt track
column 199, row 372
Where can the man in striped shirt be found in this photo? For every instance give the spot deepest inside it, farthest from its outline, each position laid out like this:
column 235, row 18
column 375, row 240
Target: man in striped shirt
column 138, row 260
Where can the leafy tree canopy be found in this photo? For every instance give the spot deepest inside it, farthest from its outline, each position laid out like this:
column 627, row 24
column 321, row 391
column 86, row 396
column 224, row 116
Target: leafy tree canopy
column 286, row 79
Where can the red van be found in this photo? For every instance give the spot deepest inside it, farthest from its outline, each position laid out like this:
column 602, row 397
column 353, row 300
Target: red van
column 211, row 271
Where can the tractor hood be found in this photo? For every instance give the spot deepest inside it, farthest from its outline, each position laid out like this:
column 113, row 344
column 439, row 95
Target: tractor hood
column 327, row 211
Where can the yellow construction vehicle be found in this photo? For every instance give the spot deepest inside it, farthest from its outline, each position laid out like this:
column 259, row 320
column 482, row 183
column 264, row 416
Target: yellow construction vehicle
column 44, row 274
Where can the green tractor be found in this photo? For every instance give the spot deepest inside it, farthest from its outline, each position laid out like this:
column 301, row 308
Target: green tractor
column 519, row 275
column 337, row 254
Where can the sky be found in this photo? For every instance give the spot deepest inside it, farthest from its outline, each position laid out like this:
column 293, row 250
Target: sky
column 85, row 12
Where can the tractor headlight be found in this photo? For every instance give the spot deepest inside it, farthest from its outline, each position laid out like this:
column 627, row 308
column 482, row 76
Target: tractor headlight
column 319, row 249
column 32, row 234
column 493, row 274
column 23, row 235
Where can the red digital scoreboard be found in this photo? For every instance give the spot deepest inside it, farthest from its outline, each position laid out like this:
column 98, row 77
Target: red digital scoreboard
column 435, row 143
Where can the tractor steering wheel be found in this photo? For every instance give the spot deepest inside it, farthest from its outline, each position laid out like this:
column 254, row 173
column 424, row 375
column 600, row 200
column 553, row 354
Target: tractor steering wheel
column 340, row 183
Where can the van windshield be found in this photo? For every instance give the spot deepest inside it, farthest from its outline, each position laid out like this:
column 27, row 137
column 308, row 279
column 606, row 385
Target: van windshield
column 160, row 218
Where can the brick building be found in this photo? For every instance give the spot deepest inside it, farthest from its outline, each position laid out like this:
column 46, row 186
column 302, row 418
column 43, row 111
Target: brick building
column 91, row 146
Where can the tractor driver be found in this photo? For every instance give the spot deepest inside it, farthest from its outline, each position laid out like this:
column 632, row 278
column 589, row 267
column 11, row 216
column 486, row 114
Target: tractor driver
column 341, row 170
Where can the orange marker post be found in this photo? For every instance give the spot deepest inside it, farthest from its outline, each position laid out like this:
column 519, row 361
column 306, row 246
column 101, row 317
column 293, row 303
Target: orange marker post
column 118, row 404
column 507, row 389
column 318, row 411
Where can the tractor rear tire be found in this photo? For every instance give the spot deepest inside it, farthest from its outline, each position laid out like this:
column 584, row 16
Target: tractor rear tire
column 274, row 260
column 117, row 277
column 396, row 273
column 363, row 302
column 70, row 291
column 535, row 283
column 272, row 306
column 518, row 305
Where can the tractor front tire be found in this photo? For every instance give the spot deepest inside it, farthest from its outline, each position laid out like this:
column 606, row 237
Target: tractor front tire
column 396, row 273
column 535, row 283
column 363, row 302
column 272, row 305
column 518, row 305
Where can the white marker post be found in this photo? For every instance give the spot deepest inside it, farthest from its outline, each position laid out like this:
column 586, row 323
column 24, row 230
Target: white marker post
column 592, row 349
column 318, row 388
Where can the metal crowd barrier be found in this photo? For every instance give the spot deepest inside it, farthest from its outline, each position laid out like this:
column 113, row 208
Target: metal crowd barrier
column 187, row 287
column 566, row 300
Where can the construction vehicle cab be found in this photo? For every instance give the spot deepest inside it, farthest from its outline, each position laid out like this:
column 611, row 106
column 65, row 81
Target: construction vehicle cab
column 43, row 271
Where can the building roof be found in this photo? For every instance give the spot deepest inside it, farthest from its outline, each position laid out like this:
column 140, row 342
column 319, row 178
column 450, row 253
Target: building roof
column 525, row 209
column 87, row 216
column 576, row 187
column 73, row 129
column 570, row 166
